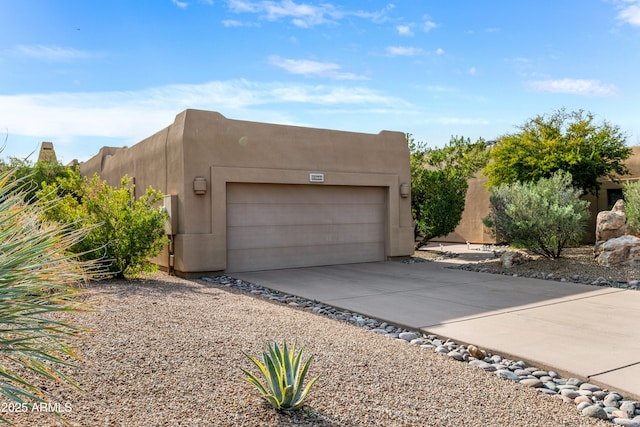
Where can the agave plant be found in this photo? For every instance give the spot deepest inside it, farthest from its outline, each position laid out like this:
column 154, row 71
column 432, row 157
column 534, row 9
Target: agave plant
column 283, row 375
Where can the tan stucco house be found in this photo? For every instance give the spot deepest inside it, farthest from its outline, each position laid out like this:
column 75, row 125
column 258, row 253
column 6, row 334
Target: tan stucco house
column 246, row 196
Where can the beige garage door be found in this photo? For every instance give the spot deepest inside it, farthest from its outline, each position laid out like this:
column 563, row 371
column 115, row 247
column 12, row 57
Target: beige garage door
column 273, row 226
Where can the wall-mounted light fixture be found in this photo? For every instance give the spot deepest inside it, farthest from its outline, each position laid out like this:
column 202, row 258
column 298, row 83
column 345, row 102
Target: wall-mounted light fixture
column 200, row 185
column 404, row 190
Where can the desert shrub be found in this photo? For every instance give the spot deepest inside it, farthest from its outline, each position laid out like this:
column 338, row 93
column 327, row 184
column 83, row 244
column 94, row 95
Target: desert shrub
column 38, row 277
column 543, row 217
column 123, row 232
column 631, row 193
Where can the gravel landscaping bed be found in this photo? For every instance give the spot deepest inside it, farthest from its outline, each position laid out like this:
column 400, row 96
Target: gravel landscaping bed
column 167, row 352
column 576, row 265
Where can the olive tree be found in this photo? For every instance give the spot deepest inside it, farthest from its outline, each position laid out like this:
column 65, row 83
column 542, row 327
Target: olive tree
column 570, row 141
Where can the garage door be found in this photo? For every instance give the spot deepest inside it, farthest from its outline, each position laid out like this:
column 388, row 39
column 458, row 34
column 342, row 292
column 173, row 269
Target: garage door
column 273, row 226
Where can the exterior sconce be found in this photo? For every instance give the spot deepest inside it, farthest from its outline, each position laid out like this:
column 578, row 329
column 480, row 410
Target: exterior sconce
column 200, row 185
column 404, row 190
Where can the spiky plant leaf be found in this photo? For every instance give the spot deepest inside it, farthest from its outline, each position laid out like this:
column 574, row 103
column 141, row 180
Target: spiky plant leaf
column 38, row 278
column 284, row 377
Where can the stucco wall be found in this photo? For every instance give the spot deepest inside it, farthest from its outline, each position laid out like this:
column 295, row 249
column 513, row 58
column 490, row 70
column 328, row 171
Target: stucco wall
column 205, row 144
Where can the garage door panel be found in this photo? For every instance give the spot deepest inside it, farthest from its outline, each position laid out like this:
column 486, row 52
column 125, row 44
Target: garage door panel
column 277, row 258
column 301, row 235
column 240, row 215
column 280, row 226
column 292, row 194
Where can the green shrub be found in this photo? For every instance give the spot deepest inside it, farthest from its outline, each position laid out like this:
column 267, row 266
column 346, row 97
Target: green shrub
column 631, row 193
column 124, row 233
column 283, row 375
column 37, row 278
column 543, row 217
column 34, row 176
column 439, row 183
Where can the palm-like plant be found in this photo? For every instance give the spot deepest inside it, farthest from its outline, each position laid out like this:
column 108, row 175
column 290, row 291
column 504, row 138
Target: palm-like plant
column 284, row 376
column 37, row 278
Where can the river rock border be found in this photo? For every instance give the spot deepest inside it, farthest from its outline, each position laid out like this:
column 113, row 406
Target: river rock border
column 590, row 400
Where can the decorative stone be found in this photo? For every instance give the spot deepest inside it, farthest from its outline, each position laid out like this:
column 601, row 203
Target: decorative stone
column 456, row 355
column 583, row 405
column 621, row 250
column 571, row 394
column 511, row 258
column 504, row 373
column 620, row 414
column 581, row 399
column 611, row 224
column 628, row 407
column 482, row 365
column 521, row 373
column 590, row 387
column 595, row 411
column 408, row 336
column 531, row 382
column 442, row 349
column 476, row 352
column 575, row 381
column 626, row 422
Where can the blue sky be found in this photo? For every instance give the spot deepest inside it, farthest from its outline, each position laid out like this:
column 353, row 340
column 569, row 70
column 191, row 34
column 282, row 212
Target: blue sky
column 84, row 74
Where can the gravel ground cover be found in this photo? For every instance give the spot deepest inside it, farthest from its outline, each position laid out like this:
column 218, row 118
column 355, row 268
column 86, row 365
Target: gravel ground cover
column 576, row 265
column 167, row 352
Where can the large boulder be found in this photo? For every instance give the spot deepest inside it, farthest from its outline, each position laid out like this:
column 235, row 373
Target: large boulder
column 620, row 250
column 611, row 224
column 511, row 258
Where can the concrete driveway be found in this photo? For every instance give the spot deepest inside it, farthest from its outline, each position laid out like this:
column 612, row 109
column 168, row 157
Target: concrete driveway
column 578, row 330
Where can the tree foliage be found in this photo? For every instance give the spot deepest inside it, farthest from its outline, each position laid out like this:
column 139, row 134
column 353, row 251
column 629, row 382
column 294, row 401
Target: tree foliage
column 543, row 216
column 439, row 183
column 33, row 175
column 123, row 232
column 572, row 142
column 38, row 277
column 631, row 193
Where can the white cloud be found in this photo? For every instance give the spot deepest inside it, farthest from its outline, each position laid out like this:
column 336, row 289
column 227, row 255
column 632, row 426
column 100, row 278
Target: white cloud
column 232, row 23
column 472, row 71
column 439, row 51
column 574, row 87
column 404, row 30
column 313, row 68
column 134, row 115
column 180, row 4
column 428, row 24
column 403, row 51
column 53, row 53
column 629, row 12
column 304, row 15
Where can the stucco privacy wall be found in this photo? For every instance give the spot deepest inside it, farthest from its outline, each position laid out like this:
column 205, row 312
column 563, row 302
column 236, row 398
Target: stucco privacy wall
column 205, row 144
